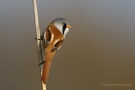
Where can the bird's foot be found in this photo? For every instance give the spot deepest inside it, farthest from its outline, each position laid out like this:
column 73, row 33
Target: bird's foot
column 39, row 38
column 41, row 63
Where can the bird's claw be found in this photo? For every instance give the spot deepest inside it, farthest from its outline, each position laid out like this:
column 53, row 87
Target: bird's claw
column 39, row 38
column 41, row 63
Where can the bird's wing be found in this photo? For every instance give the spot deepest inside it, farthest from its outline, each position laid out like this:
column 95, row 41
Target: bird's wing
column 47, row 36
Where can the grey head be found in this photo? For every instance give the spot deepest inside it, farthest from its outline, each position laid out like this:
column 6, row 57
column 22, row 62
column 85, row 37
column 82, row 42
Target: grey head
column 62, row 24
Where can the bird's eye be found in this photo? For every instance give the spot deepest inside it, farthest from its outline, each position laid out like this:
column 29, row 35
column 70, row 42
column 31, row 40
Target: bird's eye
column 64, row 27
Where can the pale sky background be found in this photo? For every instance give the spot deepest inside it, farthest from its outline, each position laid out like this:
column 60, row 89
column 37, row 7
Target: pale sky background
column 100, row 47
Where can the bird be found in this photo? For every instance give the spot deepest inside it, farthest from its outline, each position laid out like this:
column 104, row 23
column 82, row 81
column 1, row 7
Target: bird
column 52, row 40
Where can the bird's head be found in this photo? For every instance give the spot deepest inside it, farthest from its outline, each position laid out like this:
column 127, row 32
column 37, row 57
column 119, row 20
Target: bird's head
column 62, row 24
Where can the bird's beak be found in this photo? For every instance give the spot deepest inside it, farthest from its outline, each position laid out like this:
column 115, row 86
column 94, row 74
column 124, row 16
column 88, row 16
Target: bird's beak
column 68, row 26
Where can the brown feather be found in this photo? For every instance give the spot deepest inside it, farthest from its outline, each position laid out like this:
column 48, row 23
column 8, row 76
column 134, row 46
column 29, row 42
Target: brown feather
column 59, row 43
column 45, row 72
column 57, row 36
column 48, row 34
column 49, row 55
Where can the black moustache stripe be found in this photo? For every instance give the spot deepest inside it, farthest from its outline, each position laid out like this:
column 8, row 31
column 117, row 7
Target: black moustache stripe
column 64, row 28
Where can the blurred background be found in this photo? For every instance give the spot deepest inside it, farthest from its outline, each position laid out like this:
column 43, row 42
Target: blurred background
column 99, row 48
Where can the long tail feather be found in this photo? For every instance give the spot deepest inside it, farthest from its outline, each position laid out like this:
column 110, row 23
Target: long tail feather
column 47, row 64
column 46, row 69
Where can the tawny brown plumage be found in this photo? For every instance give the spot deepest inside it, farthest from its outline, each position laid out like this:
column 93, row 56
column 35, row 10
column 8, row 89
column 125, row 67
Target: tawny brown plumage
column 48, row 54
column 54, row 39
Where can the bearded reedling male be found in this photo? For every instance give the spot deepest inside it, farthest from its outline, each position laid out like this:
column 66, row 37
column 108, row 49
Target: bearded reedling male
column 52, row 39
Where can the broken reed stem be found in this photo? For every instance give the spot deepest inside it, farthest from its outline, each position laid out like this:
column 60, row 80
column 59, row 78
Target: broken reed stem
column 39, row 47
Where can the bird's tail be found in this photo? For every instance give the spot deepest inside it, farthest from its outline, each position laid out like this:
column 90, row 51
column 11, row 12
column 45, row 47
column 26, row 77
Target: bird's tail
column 48, row 58
column 45, row 71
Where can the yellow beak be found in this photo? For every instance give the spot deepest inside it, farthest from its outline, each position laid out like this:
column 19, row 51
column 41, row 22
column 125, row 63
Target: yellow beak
column 68, row 26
